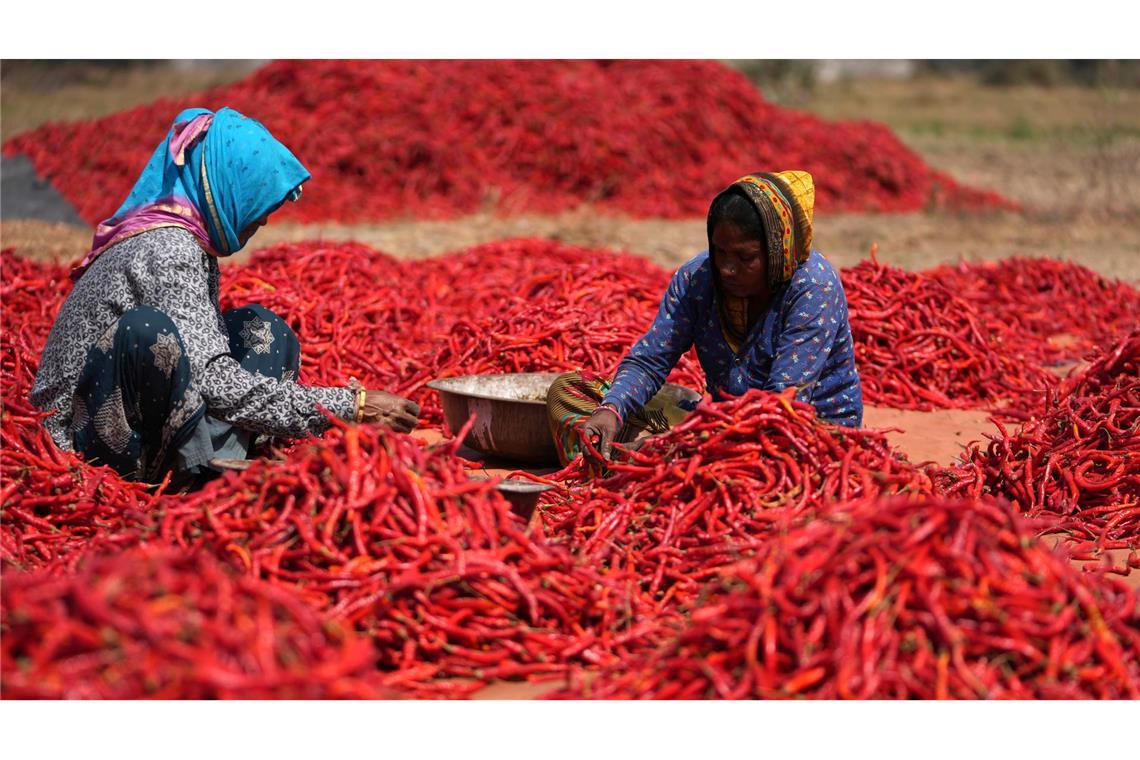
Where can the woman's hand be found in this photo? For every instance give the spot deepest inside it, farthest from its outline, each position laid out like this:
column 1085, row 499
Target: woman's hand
column 601, row 429
column 385, row 408
column 642, row 439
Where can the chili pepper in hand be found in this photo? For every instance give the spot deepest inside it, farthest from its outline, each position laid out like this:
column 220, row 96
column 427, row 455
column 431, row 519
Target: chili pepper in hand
column 601, row 428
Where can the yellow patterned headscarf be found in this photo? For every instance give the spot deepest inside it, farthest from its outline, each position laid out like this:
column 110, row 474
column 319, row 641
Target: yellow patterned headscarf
column 786, row 202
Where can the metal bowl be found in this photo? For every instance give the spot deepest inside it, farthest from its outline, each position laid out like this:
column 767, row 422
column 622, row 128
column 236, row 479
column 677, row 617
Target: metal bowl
column 523, row 495
column 510, row 413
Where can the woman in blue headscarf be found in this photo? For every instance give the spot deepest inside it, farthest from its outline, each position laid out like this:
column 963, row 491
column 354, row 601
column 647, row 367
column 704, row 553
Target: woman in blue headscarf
column 142, row 369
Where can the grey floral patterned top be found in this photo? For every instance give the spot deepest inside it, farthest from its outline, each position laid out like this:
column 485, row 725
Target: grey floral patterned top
column 166, row 269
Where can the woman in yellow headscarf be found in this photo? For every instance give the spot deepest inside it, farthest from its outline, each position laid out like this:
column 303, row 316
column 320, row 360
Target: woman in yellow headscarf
column 763, row 309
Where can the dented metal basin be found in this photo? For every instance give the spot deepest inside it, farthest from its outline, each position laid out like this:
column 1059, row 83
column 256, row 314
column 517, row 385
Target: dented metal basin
column 510, row 414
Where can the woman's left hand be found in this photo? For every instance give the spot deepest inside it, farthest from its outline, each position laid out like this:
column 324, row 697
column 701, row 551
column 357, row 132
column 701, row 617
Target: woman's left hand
column 601, row 429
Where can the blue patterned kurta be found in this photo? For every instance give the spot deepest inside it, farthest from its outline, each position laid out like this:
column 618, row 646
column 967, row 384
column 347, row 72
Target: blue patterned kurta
column 802, row 339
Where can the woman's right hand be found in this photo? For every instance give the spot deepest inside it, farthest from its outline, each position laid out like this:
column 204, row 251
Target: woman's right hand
column 385, row 408
column 601, row 429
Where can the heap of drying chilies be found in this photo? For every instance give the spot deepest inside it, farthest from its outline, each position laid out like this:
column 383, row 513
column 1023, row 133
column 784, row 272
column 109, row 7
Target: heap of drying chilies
column 1026, row 302
column 531, row 305
column 717, row 486
column 1078, row 461
column 895, row 598
column 387, row 140
column 578, row 316
column 509, row 306
column 378, row 532
column 920, row 345
column 365, row 530
column 381, row 538
column 160, row 623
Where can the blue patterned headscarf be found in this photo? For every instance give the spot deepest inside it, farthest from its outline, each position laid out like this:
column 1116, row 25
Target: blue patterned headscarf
column 214, row 175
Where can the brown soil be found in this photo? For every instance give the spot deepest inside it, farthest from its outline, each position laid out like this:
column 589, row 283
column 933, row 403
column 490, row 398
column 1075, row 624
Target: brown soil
column 35, row 92
column 45, row 241
column 911, row 241
column 517, row 690
column 937, row 436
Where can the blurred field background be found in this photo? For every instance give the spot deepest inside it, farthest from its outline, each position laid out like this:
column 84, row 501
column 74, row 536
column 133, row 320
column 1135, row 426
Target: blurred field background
column 1060, row 137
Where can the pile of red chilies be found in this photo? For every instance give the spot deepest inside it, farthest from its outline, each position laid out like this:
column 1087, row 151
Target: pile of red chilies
column 159, row 623
column 534, row 305
column 580, row 316
column 374, row 532
column 918, row 345
column 52, row 502
column 717, row 486
column 517, row 305
column 1079, row 460
column 379, row 328
column 890, row 599
column 378, row 532
column 391, row 139
column 1029, row 303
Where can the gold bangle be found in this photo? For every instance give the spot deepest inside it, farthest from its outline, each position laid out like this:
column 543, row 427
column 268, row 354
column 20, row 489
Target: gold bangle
column 361, row 395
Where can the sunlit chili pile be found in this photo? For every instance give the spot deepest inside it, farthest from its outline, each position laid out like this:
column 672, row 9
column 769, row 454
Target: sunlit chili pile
column 391, row 139
column 920, row 344
column 533, row 305
column 1042, row 310
column 896, row 598
column 368, row 536
column 373, row 529
column 1079, row 460
column 161, row 623
column 717, row 486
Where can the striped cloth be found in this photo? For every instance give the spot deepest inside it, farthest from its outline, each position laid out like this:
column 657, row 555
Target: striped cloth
column 574, row 396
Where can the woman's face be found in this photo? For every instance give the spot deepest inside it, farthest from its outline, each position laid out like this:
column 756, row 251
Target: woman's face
column 740, row 261
column 247, row 233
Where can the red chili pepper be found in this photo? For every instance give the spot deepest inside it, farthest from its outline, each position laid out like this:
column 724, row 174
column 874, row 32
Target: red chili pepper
column 920, row 344
column 531, row 136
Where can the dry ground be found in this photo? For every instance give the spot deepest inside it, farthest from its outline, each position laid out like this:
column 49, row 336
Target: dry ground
column 911, row 241
column 34, row 93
